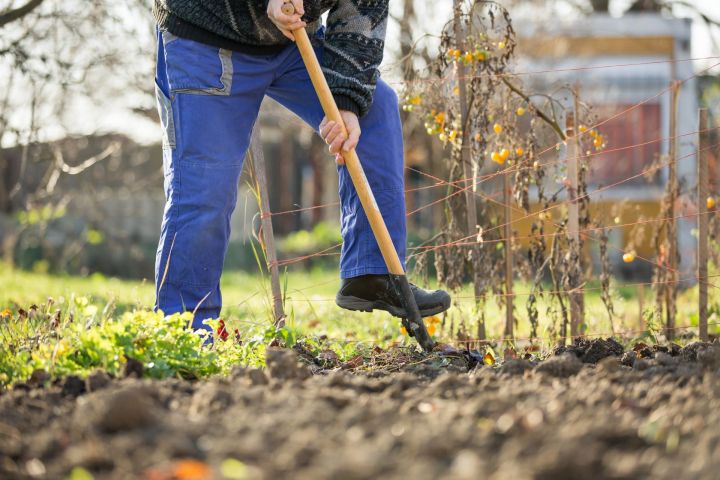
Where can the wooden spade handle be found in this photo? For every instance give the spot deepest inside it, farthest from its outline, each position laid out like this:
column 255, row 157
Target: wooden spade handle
column 352, row 162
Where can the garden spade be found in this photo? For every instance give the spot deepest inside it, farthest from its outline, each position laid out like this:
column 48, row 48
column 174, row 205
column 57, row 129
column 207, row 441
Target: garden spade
column 413, row 323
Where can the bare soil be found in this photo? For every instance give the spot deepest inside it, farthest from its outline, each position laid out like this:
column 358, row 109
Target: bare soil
column 590, row 411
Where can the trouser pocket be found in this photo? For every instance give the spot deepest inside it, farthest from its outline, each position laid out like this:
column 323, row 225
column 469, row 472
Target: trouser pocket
column 197, row 68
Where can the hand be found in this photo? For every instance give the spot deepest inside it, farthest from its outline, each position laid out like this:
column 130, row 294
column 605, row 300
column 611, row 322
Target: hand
column 334, row 136
column 286, row 23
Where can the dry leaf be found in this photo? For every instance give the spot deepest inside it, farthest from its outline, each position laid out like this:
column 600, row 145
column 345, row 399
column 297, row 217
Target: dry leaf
column 488, row 359
column 354, row 362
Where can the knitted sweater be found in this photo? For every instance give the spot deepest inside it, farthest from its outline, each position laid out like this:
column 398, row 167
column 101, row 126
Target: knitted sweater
column 354, row 36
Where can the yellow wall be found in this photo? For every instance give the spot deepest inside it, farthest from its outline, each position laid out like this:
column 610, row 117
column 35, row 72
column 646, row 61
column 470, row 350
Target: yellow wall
column 625, row 212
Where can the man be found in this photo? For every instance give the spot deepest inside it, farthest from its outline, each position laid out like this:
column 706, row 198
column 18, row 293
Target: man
column 216, row 61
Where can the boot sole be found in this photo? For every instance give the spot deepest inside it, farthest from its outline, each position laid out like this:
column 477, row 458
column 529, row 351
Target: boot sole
column 361, row 305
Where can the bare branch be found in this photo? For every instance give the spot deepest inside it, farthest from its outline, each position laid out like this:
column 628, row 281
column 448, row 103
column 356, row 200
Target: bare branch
column 18, row 13
column 539, row 112
column 70, row 170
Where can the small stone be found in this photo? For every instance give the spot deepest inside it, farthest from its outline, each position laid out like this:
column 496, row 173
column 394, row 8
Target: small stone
column 35, row 468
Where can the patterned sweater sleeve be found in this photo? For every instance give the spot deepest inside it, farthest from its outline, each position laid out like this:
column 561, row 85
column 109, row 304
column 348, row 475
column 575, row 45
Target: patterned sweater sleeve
column 354, row 43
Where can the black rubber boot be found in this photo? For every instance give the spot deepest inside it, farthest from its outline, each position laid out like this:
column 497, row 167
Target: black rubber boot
column 375, row 292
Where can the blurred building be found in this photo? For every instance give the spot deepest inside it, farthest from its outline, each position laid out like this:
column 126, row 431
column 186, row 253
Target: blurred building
column 623, row 68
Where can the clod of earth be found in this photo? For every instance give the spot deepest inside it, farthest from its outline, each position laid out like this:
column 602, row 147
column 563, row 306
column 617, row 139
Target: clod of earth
column 133, row 368
column 592, row 351
column 283, row 364
column 562, row 366
column 97, row 380
column 128, row 408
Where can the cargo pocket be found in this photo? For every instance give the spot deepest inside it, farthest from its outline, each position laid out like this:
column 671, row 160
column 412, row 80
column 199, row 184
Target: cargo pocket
column 193, row 67
column 166, row 118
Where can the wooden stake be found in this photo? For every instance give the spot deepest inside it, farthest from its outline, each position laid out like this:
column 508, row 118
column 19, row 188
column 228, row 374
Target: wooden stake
column 255, row 154
column 702, row 264
column 573, row 229
column 672, row 285
column 641, row 306
column 507, row 197
column 467, row 167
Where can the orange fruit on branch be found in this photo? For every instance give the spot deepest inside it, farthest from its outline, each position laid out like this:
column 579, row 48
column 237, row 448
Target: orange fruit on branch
column 629, row 257
column 479, row 55
column 495, row 157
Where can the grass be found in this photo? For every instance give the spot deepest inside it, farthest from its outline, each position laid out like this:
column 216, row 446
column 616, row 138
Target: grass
column 103, row 321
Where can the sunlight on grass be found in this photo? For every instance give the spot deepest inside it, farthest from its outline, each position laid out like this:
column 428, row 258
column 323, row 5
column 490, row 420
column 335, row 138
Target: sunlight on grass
column 83, row 323
column 311, row 308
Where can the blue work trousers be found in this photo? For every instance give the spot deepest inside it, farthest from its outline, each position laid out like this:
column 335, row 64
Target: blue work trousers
column 208, row 99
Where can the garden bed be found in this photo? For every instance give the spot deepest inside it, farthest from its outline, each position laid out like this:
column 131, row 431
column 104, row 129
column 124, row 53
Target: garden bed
column 644, row 413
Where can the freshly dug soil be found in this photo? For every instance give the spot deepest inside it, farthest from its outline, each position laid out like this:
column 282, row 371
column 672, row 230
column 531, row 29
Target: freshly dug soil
column 564, row 418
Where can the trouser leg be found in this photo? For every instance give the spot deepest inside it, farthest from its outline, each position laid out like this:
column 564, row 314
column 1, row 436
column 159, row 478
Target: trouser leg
column 381, row 153
column 208, row 100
